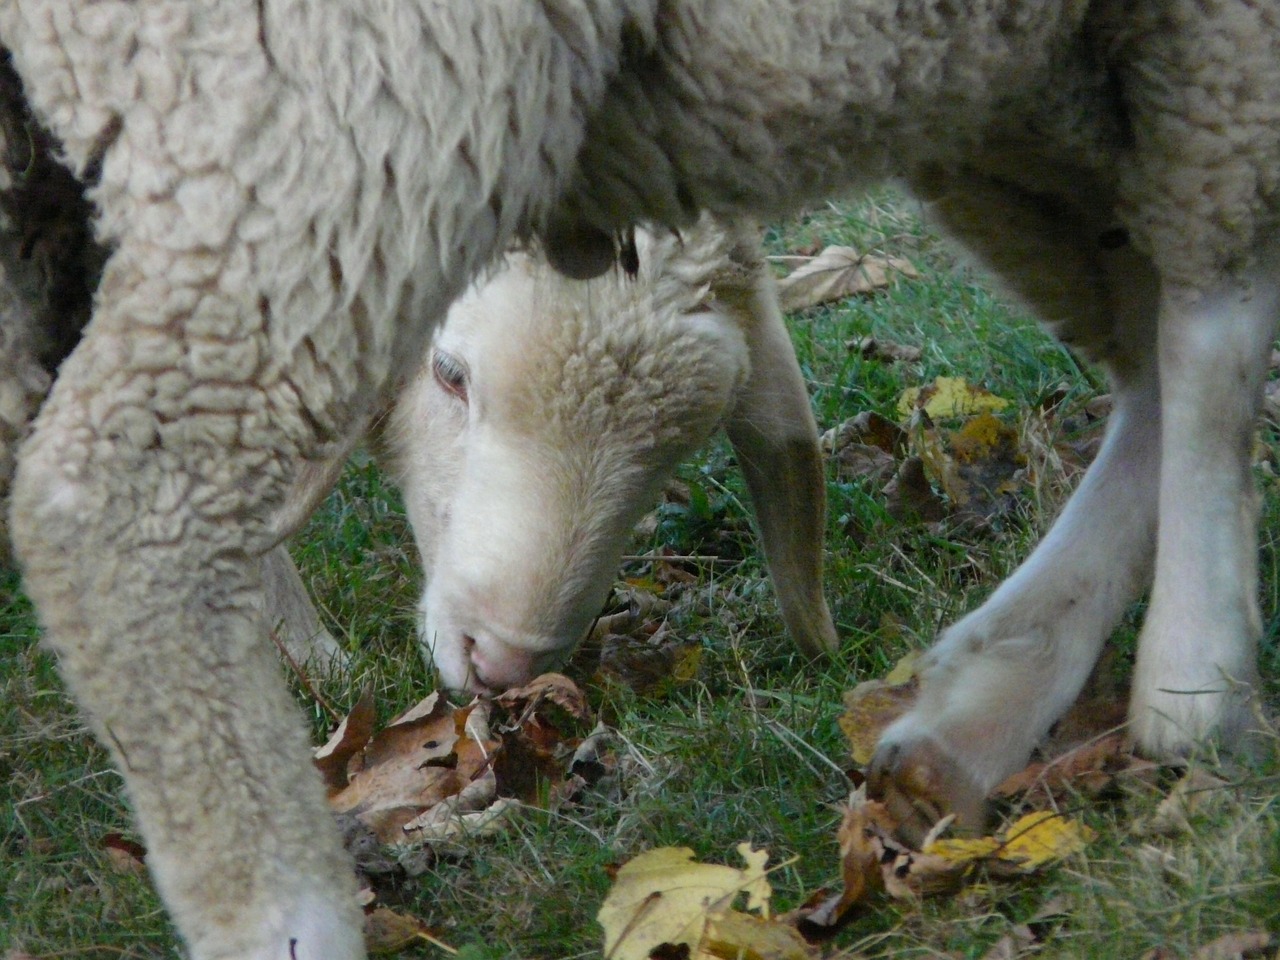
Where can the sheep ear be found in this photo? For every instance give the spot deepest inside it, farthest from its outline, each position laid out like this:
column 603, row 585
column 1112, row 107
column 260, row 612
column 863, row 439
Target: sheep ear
column 776, row 441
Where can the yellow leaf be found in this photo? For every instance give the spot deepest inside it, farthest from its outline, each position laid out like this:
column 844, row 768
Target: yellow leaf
column 1029, row 843
column 874, row 704
column 663, row 896
column 949, row 397
column 904, row 670
column 740, row 936
column 964, row 850
column 1041, row 837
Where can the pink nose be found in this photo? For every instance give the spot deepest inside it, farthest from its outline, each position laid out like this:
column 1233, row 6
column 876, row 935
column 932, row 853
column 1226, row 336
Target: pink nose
column 497, row 665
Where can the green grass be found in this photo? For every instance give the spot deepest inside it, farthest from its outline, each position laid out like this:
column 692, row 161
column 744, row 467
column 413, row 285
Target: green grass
column 749, row 751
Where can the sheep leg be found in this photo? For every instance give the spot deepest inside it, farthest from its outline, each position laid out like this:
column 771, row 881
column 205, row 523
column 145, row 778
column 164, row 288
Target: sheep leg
column 997, row 680
column 776, row 440
column 134, row 531
column 1196, row 669
column 293, row 617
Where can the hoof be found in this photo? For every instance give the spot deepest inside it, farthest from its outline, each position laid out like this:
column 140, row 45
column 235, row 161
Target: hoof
column 919, row 783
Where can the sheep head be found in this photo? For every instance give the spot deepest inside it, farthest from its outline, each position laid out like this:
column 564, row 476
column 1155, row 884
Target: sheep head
column 547, row 418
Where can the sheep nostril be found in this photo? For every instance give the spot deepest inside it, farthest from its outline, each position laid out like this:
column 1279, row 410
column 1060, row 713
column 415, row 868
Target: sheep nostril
column 468, row 643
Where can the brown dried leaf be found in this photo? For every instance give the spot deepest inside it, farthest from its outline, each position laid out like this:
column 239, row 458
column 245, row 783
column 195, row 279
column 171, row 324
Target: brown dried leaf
column 836, row 273
column 124, row 855
column 978, row 466
column 858, row 460
column 1088, row 769
column 549, row 688
column 869, row 428
column 429, row 753
column 386, row 931
column 349, row 739
column 650, row 665
column 875, row 349
column 1237, row 946
column 910, row 498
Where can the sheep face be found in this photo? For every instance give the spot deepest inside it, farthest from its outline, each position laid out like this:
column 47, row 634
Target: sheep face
column 544, row 423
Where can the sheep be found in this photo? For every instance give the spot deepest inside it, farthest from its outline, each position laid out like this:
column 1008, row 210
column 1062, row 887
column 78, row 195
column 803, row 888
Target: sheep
column 294, row 191
column 548, row 416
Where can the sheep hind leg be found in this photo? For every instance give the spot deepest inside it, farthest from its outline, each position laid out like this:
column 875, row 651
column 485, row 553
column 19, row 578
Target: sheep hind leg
column 134, row 535
column 1196, row 671
column 997, row 680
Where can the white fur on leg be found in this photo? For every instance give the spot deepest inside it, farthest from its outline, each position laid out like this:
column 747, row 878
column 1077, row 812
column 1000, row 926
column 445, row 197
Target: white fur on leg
column 1197, row 652
column 998, row 679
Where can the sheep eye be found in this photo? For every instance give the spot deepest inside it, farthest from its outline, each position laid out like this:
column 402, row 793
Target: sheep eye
column 450, row 373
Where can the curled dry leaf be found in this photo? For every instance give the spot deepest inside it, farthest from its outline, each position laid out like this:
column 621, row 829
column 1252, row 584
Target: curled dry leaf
column 873, row 860
column 386, row 931
column 439, row 771
column 910, row 497
column 549, row 688
column 349, row 739
column 124, row 855
column 836, row 273
column 425, row 755
column 873, row 348
column 1088, row 769
column 868, row 428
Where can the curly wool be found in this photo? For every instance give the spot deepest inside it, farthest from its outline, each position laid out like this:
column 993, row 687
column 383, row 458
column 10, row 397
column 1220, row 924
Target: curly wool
column 295, row 190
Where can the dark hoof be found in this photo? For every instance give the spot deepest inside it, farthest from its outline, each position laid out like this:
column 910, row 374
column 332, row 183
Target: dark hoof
column 919, row 784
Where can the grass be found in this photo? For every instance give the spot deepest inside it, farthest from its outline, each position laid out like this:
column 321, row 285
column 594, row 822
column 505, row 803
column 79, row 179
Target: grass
column 748, row 751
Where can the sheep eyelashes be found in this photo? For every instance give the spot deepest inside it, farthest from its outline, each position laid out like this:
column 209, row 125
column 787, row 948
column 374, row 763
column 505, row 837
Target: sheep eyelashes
column 550, row 416
column 294, row 191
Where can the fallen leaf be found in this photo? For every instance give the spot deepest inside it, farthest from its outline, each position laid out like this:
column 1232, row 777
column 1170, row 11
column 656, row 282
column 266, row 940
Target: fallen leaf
column 1088, row 769
column 548, row 688
column 450, row 820
column 125, row 855
column 949, row 397
column 836, row 273
column 873, row 348
column 874, row 704
column 349, row 739
column 1236, row 946
column 652, row 664
column 740, row 936
column 664, row 897
column 910, row 497
column 1031, row 842
column 425, row 755
column 386, row 931
column 869, row 428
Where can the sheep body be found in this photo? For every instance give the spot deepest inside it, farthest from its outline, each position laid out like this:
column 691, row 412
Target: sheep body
column 294, row 190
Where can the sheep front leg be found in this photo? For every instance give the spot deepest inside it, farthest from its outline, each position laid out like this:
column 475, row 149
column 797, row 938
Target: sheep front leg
column 998, row 679
column 776, row 441
column 135, row 532
column 1196, row 669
